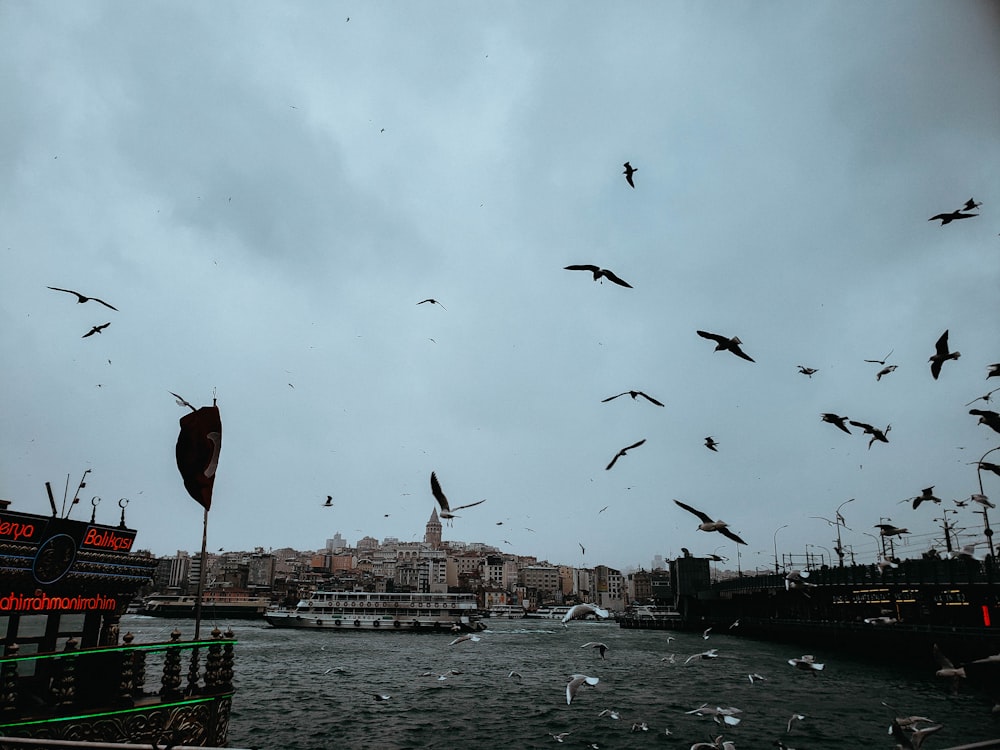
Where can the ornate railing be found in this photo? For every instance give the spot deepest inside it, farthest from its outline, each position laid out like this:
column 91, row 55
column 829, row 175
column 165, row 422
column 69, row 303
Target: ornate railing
column 112, row 681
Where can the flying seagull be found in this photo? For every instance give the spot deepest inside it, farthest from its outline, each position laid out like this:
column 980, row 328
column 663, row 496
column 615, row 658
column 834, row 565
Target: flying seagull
column 987, row 466
column 941, row 355
column 447, row 512
column 629, row 171
column 633, row 394
column 580, row 611
column 883, row 360
column 885, row 371
column 875, row 432
column 710, row 443
column 971, row 205
column 433, row 302
column 806, row 662
column 836, row 420
column 994, row 371
column 329, row 502
column 598, row 273
column 622, row 452
column 575, row 683
column 952, row 216
column 602, row 647
column 81, row 298
column 181, row 401
column 728, row 344
column 95, row 329
column 926, row 495
column 987, row 417
column 807, row 370
column 985, row 397
column 887, row 529
column 707, row 524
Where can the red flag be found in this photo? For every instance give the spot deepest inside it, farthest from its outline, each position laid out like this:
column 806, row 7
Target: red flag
column 198, row 446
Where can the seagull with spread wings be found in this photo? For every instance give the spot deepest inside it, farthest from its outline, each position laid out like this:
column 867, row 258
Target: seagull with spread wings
column 598, row 273
column 633, row 394
column 987, row 417
column 836, row 420
column 95, row 329
column 447, row 512
column 81, row 298
column 947, row 218
column 941, row 355
column 433, row 302
column 875, row 432
column 707, row 524
column 622, row 452
column 724, row 343
column 629, row 171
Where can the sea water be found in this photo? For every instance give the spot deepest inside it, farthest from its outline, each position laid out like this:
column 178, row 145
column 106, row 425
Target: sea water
column 311, row 690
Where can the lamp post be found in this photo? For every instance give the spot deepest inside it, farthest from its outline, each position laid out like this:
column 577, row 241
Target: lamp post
column 821, row 558
column 986, row 519
column 775, row 539
column 840, row 522
column 877, row 542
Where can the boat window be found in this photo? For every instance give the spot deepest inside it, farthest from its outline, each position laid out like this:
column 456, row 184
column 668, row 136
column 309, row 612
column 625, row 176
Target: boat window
column 71, row 624
column 31, row 626
column 27, row 668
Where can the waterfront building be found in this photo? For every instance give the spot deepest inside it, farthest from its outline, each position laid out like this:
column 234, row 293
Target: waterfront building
column 609, row 588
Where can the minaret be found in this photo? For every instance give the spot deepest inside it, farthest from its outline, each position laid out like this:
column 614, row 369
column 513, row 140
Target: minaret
column 432, row 535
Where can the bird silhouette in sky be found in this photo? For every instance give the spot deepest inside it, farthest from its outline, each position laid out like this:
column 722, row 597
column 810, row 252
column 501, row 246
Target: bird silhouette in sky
column 926, row 495
column 622, row 452
column 433, row 302
column 985, row 397
column 875, row 432
column 987, row 417
column 629, row 171
column 710, row 443
column 883, row 360
column 885, row 371
column 81, row 298
column 941, row 355
column 181, row 401
column 598, row 273
column 952, row 216
column 707, row 524
column 447, row 512
column 633, row 394
column 329, row 502
column 807, row 370
column 95, row 329
column 993, row 370
column 727, row 344
column 836, row 420
column 971, row 205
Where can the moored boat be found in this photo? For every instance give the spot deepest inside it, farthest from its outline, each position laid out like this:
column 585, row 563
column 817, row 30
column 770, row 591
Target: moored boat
column 215, row 605
column 69, row 675
column 362, row 610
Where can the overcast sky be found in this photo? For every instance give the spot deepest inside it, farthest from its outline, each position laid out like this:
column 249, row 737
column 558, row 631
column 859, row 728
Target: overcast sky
column 265, row 191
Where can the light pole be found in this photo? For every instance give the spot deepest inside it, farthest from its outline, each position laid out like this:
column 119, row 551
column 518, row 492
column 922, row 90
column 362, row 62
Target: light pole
column 877, row 542
column 775, row 539
column 840, row 522
column 821, row 558
column 986, row 519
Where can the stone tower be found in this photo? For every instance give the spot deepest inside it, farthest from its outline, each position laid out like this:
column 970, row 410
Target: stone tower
column 432, row 535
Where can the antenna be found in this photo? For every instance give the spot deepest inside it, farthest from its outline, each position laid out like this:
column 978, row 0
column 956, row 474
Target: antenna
column 52, row 500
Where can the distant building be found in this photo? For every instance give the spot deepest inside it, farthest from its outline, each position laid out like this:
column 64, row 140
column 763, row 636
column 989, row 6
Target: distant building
column 432, row 532
column 336, row 544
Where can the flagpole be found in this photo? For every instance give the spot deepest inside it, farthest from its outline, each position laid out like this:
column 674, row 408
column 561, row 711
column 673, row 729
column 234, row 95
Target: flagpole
column 201, row 578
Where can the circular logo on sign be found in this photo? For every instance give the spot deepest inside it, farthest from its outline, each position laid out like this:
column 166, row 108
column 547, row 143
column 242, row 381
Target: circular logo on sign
column 54, row 559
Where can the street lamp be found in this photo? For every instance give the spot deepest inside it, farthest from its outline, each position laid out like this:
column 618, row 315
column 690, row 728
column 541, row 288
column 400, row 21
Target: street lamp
column 838, row 522
column 986, row 519
column 775, row 539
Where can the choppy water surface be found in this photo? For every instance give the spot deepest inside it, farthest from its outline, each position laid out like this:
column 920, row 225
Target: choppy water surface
column 308, row 690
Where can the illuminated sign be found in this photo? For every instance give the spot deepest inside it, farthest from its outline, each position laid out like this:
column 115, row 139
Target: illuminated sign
column 116, row 540
column 41, row 602
column 18, row 527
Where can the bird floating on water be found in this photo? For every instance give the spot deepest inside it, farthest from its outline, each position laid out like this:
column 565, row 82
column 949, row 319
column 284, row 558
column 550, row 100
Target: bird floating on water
column 633, row 394
column 629, row 171
column 724, row 343
column 447, row 512
column 599, row 273
column 707, row 524
column 466, row 637
column 941, row 355
column 623, row 451
column 81, row 298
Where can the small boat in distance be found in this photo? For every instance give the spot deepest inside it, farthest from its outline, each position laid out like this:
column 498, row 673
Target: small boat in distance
column 364, row 610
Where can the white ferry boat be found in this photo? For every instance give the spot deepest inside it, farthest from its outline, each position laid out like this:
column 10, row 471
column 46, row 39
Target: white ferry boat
column 547, row 613
column 362, row 610
column 506, row 611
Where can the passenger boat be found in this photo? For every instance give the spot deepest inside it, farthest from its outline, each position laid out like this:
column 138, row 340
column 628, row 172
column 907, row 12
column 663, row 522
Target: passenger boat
column 547, row 613
column 69, row 676
column 217, row 604
column 506, row 611
column 362, row 610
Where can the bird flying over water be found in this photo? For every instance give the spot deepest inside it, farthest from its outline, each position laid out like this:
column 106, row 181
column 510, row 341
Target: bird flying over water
column 575, row 683
column 81, row 298
column 447, row 511
column 941, row 355
column 710, row 443
column 806, row 662
column 95, row 329
column 602, row 647
column 598, row 273
column 622, row 452
column 580, row 611
column 633, row 394
column 947, row 218
column 629, row 171
column 707, row 524
column 836, row 420
column 727, row 344
column 433, row 302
